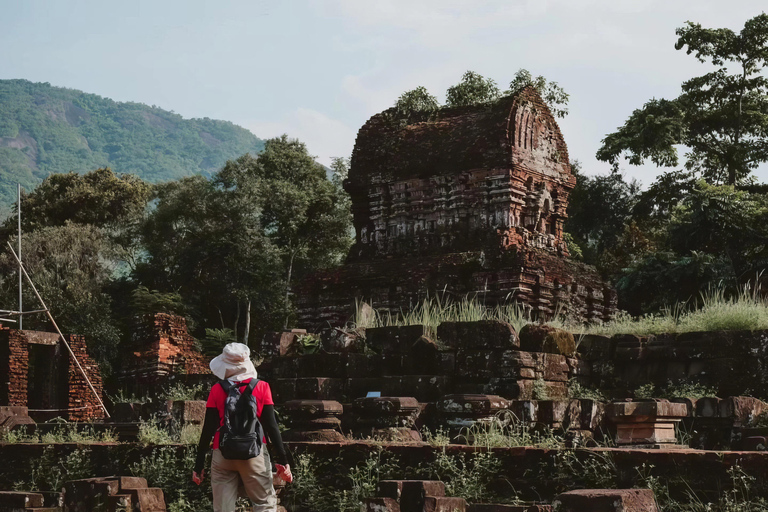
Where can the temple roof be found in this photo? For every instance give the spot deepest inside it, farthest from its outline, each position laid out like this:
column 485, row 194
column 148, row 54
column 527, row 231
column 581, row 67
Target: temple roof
column 516, row 130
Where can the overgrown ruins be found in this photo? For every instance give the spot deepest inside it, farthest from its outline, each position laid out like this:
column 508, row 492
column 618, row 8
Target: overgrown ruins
column 470, row 200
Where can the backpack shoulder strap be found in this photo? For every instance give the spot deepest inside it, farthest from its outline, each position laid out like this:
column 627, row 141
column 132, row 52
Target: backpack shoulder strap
column 225, row 385
column 247, row 392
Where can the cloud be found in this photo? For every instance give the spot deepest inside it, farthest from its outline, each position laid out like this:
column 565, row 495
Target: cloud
column 325, row 137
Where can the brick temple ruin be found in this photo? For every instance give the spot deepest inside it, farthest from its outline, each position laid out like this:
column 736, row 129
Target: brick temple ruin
column 37, row 373
column 471, row 201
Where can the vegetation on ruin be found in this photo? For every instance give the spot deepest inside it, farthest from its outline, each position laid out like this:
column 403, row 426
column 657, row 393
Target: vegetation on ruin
column 715, row 310
column 63, row 130
column 475, row 89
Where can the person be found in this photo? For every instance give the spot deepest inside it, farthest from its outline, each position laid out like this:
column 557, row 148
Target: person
column 255, row 474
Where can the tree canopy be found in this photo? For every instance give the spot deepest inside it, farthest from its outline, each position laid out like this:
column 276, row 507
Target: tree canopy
column 721, row 116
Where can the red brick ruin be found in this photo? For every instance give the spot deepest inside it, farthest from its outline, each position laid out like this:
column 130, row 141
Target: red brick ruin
column 160, row 348
column 471, row 201
column 37, row 372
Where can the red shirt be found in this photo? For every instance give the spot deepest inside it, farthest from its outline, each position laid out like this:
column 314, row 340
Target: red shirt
column 217, row 398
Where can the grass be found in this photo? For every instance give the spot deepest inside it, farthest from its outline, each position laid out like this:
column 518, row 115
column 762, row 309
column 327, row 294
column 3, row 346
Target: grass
column 715, row 310
column 65, row 432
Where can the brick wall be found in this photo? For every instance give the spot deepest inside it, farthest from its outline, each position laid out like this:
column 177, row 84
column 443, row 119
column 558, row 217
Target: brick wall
column 14, row 363
column 161, row 347
column 82, row 403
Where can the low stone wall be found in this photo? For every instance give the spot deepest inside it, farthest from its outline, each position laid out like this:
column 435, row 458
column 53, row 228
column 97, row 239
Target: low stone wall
column 733, row 363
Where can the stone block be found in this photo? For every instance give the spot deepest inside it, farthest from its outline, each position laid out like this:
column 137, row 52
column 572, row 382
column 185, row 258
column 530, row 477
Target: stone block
column 415, row 493
column 390, row 489
column 754, row 443
column 319, row 388
column 119, row 503
column 544, row 338
column 187, row 411
column 708, row 407
column 433, row 504
column 649, row 423
column 283, row 390
column 484, row 334
column 149, row 499
column 606, row 500
column 10, row 500
column 594, row 347
column 425, row 388
column 313, row 420
column 281, row 343
column 386, row 412
column 361, row 366
column 321, row 365
column 359, row 387
column 393, row 340
column 380, row 505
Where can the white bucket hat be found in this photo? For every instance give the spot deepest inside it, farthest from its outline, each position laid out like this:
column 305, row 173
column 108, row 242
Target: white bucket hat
column 234, row 363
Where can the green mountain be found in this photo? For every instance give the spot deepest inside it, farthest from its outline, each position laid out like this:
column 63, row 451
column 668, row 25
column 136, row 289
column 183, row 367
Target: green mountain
column 45, row 130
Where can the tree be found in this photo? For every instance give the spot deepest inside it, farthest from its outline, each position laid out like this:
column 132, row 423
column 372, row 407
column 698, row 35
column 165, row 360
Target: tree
column 473, row 89
column 213, row 254
column 598, row 209
column 721, row 117
column 714, row 236
column 69, row 268
column 416, row 101
column 554, row 95
column 304, row 215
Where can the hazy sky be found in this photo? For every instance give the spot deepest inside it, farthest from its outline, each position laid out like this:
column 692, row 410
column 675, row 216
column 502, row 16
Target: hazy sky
column 317, row 70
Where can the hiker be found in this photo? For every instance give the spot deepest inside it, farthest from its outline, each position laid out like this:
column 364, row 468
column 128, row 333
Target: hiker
column 230, row 422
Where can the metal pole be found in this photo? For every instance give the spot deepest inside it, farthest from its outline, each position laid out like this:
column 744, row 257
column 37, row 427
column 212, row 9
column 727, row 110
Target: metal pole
column 21, row 305
column 50, row 317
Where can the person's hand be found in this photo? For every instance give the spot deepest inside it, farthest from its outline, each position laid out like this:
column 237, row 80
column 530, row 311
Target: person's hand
column 198, row 479
column 284, row 472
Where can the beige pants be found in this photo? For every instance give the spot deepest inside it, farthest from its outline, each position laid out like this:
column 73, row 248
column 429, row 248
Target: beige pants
column 255, row 474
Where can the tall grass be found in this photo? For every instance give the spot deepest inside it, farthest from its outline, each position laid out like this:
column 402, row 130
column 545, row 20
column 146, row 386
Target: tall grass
column 714, row 310
column 432, row 311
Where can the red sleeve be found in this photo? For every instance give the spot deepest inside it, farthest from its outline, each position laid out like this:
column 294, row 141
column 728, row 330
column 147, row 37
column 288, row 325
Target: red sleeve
column 216, row 397
column 263, row 395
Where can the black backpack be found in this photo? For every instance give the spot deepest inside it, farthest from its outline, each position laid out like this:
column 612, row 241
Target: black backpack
column 240, row 437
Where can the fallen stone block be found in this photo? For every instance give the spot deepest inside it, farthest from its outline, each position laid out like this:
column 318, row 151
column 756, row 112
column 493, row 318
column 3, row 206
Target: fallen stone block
column 606, row 500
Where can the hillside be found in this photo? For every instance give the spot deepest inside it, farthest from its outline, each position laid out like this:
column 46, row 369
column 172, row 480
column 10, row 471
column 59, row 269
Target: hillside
column 45, row 130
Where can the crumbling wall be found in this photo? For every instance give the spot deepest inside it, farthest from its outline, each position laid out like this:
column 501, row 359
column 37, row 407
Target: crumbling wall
column 59, row 388
column 14, row 364
column 83, row 405
column 162, row 346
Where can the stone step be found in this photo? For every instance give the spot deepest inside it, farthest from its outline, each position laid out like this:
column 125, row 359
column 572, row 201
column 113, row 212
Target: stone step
column 20, row 500
column 148, row 499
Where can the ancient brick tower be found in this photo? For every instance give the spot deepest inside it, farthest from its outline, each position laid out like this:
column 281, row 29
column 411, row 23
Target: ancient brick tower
column 470, row 200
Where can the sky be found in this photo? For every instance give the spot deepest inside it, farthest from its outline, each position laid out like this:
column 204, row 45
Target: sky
column 318, row 69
